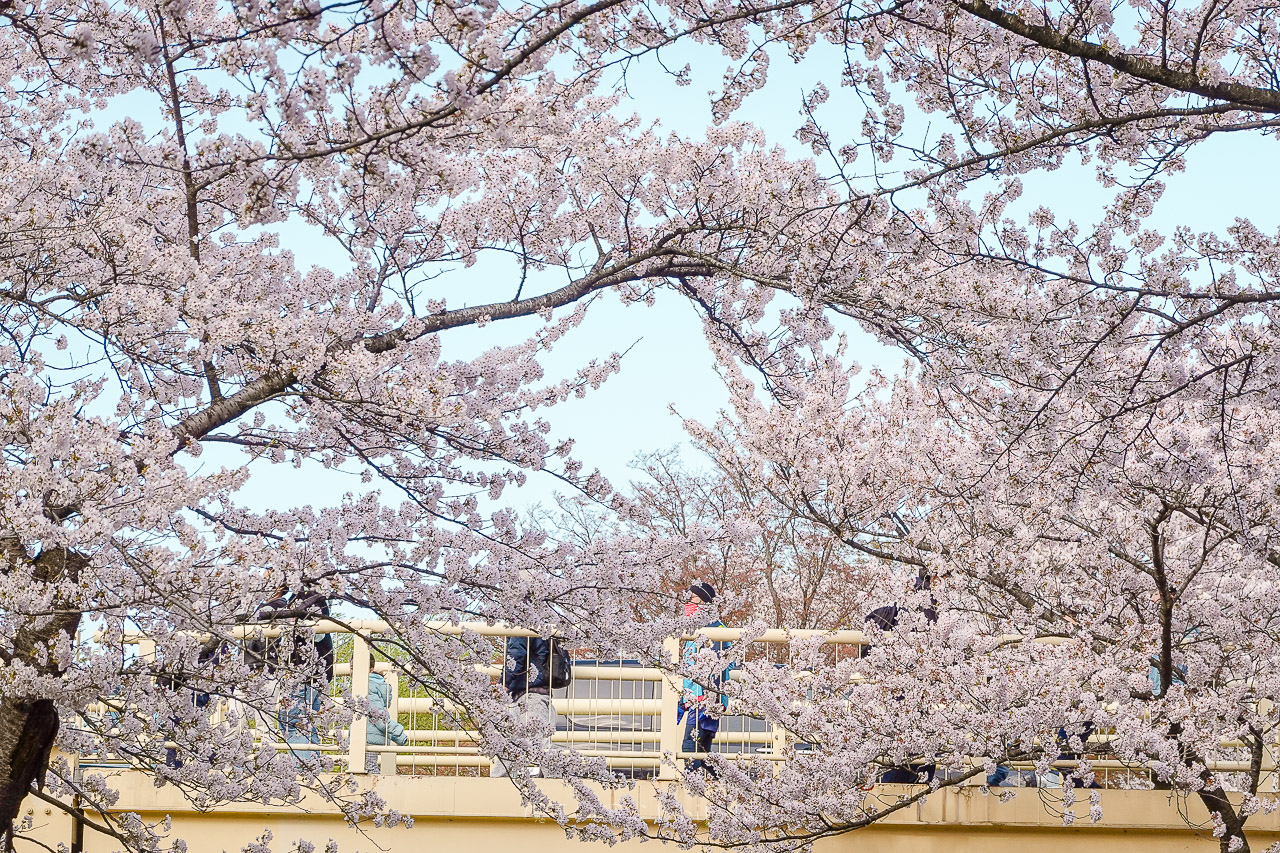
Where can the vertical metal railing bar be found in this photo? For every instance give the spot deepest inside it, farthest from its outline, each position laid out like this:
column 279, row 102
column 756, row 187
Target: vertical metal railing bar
column 388, row 760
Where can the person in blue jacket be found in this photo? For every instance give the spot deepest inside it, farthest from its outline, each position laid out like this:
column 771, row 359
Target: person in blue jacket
column 382, row 729
column 700, row 707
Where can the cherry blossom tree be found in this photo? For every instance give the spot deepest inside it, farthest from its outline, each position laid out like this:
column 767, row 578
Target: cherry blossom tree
column 237, row 238
column 1044, row 590
column 1094, row 458
column 1081, row 453
column 1083, row 450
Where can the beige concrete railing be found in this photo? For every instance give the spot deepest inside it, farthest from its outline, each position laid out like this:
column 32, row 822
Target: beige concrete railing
column 626, row 716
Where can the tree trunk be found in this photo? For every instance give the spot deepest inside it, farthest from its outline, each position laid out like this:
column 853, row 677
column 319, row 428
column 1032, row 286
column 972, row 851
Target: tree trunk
column 27, row 730
column 29, row 724
column 1216, row 801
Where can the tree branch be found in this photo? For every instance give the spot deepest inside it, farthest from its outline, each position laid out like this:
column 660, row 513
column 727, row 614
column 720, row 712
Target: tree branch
column 1251, row 97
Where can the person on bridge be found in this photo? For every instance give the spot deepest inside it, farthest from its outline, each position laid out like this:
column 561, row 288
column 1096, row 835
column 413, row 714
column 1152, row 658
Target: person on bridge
column 383, row 728
column 297, row 711
column 532, row 667
column 701, row 715
column 886, row 619
column 210, row 657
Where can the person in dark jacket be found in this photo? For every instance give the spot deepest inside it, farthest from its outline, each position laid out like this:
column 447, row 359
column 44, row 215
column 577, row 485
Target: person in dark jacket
column 886, row 619
column 527, row 667
column 208, row 659
column 297, row 711
column 527, row 676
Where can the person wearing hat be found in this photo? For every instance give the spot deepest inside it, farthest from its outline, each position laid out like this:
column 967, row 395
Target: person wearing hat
column 701, row 714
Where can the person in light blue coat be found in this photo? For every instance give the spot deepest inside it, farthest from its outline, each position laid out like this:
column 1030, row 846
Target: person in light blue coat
column 701, row 706
column 383, row 729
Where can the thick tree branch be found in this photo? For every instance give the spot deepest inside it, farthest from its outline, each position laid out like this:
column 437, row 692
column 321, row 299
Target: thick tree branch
column 673, row 262
column 1247, row 97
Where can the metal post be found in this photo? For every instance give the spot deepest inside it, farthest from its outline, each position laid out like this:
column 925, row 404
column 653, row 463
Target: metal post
column 1267, row 780
column 779, row 746
column 387, row 760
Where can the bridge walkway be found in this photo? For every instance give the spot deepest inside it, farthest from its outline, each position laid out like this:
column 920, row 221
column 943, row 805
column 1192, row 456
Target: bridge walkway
column 625, row 713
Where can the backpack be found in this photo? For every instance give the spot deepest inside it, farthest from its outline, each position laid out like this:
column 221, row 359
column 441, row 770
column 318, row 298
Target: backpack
column 561, row 666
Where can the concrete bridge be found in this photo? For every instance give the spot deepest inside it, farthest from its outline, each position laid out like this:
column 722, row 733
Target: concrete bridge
column 624, row 713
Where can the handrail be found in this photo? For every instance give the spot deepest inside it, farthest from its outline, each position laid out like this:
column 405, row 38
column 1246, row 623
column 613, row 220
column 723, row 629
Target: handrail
column 625, row 714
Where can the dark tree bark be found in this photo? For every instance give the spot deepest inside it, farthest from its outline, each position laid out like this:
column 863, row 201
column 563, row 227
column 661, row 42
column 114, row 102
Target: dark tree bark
column 29, row 724
column 27, row 731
